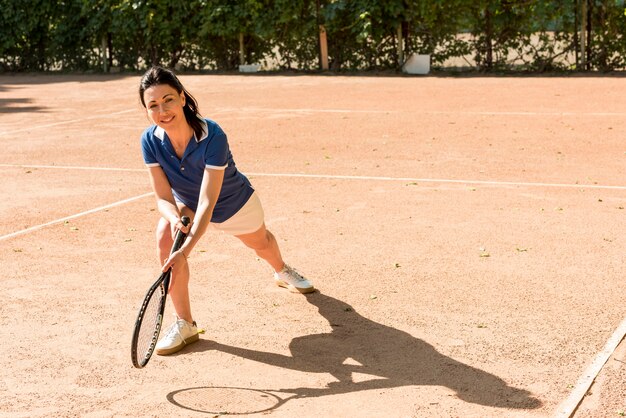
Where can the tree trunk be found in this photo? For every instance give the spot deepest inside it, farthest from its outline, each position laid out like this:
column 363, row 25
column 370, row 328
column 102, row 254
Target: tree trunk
column 400, row 45
column 242, row 50
column 323, row 49
column 488, row 39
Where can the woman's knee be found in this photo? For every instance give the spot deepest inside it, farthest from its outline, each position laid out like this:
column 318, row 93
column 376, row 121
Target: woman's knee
column 258, row 241
column 163, row 235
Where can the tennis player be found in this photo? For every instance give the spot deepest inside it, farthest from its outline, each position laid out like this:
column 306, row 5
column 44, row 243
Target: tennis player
column 193, row 173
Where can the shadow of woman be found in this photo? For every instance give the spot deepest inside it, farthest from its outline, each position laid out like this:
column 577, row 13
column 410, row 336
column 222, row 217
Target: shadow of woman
column 393, row 358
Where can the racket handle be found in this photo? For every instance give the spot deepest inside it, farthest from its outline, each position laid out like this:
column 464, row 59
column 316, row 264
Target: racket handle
column 180, row 235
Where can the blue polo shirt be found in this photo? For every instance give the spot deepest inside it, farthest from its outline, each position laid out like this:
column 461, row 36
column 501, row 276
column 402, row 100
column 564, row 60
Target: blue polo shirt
column 185, row 174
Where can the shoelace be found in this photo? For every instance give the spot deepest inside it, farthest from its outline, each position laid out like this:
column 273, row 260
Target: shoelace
column 175, row 329
column 295, row 274
column 172, row 331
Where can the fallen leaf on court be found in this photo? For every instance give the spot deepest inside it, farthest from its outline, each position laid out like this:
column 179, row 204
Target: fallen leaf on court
column 73, row 228
column 620, row 207
column 521, row 250
column 372, row 297
column 398, row 265
column 484, row 254
column 127, row 240
column 131, row 229
column 411, row 184
column 201, row 331
column 17, row 250
column 482, row 326
column 66, row 222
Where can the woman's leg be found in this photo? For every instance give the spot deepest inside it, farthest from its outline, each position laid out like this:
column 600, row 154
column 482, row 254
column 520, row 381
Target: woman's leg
column 264, row 244
column 179, row 284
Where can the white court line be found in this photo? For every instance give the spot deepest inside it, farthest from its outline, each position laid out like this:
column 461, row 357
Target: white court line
column 78, row 215
column 519, row 113
column 570, row 405
column 427, row 180
column 66, row 122
column 340, row 177
column 69, row 167
column 301, row 110
column 431, row 112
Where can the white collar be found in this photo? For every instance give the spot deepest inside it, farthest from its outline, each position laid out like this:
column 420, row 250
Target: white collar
column 160, row 132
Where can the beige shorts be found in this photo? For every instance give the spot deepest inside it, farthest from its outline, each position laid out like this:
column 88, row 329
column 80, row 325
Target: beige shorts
column 246, row 221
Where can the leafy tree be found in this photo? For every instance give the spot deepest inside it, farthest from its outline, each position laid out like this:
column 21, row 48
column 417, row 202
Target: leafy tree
column 292, row 27
column 433, row 27
column 608, row 42
column 25, row 35
column 221, row 24
column 533, row 35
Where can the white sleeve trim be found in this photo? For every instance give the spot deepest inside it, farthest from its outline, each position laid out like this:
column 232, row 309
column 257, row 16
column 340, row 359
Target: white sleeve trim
column 215, row 167
column 153, row 165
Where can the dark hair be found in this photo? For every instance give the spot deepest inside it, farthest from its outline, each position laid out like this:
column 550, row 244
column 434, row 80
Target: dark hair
column 158, row 75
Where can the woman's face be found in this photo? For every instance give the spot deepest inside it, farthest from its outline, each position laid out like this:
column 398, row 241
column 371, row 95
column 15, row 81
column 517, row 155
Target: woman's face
column 165, row 106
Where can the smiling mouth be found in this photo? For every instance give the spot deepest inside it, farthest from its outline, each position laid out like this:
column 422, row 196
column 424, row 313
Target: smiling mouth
column 167, row 120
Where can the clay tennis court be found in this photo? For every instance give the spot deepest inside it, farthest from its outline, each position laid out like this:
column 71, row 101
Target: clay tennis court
column 466, row 236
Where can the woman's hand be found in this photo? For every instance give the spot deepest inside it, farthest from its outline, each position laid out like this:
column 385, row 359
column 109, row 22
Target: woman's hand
column 177, row 257
column 178, row 225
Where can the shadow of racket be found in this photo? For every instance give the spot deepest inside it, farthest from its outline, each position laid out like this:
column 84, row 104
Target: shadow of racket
column 221, row 400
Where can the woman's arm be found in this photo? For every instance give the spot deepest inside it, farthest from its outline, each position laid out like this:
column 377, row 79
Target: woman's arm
column 209, row 192
column 165, row 199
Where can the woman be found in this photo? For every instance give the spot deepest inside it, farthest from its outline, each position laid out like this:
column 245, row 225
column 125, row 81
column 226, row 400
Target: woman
column 192, row 173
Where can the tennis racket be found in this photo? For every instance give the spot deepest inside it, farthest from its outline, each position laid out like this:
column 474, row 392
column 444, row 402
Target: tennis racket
column 150, row 317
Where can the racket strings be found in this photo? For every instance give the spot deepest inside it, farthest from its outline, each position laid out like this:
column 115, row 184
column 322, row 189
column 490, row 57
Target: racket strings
column 150, row 325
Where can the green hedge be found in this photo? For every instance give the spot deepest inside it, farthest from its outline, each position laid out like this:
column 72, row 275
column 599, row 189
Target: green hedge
column 484, row 35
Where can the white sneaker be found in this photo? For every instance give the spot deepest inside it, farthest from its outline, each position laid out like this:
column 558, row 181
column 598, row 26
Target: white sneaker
column 177, row 336
column 292, row 280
